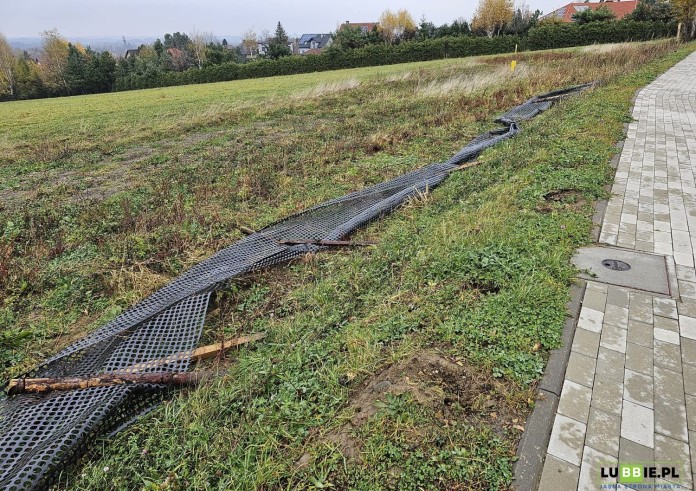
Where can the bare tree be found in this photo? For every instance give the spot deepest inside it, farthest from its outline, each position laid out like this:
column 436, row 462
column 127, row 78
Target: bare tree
column 249, row 40
column 8, row 65
column 199, row 41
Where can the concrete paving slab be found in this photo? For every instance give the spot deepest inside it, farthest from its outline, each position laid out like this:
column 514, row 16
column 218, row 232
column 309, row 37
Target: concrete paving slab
column 648, row 272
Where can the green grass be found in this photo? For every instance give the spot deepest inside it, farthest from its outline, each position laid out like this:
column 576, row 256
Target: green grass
column 473, row 278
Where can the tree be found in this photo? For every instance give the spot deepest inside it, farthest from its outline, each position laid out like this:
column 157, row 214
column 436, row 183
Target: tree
column 198, row 42
column 8, row 68
column 279, row 44
column 29, row 82
column 396, row 26
column 176, row 40
column 652, row 11
column 585, row 16
column 426, row 30
column 686, row 14
column 74, row 73
column 100, row 72
column 349, row 37
column 250, row 42
column 54, row 58
column 492, row 16
column 158, row 47
column 522, row 20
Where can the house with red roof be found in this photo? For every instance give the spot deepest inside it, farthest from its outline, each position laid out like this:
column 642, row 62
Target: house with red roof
column 620, row 9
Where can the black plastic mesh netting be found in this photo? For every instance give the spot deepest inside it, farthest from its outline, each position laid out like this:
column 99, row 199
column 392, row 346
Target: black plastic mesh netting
column 42, row 433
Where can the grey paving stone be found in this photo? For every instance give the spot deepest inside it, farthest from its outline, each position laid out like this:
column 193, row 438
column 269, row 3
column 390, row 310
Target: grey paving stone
column 638, row 388
column 595, row 300
column 687, row 289
column 641, row 307
column 610, row 364
column 690, row 379
column 617, row 296
column 558, row 474
column 687, row 326
column 637, row 424
column 670, row 419
column 567, row 439
column 639, row 358
column 665, row 307
column 640, row 333
column 586, row 342
column 688, row 351
column 666, row 336
column 581, row 369
column 630, row 451
column 667, row 355
column 687, row 306
column 669, row 385
column 671, row 450
column 613, row 338
column 603, row 431
column 616, row 316
column 575, row 401
column 607, row 395
column 590, row 319
column 666, row 323
column 592, row 461
column 691, row 412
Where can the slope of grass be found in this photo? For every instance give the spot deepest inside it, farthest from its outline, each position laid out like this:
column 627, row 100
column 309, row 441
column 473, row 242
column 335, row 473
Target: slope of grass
column 459, row 302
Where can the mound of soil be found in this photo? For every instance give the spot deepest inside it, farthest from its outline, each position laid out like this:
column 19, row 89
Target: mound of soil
column 453, row 390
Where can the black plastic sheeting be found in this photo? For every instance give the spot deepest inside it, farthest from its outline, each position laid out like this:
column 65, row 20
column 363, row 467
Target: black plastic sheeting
column 40, row 434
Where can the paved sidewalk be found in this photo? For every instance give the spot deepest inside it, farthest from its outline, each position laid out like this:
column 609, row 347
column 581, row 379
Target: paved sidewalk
column 629, row 394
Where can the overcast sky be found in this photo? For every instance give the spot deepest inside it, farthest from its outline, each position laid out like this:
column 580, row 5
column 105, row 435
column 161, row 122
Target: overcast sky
column 154, row 17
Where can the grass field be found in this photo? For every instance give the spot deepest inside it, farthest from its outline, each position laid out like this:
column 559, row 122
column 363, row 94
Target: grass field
column 408, row 365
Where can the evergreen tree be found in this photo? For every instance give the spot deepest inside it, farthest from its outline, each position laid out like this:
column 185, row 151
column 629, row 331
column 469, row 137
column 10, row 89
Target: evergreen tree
column 278, row 46
column 602, row 14
column 348, row 37
column 159, row 47
column 74, row 73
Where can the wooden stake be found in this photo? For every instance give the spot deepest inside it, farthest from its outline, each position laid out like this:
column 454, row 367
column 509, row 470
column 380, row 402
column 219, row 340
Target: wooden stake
column 464, row 166
column 202, row 353
column 246, row 230
column 41, row 385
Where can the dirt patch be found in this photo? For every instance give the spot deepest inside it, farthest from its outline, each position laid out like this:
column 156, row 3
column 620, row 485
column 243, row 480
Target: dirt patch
column 562, row 198
column 452, row 389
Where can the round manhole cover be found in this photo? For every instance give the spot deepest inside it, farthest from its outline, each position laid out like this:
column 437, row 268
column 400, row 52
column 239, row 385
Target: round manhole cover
column 616, row 265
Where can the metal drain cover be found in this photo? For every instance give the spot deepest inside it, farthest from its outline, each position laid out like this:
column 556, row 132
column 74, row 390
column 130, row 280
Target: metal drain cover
column 626, row 268
column 616, row 265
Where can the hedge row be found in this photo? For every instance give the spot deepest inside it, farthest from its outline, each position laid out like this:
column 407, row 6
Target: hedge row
column 543, row 37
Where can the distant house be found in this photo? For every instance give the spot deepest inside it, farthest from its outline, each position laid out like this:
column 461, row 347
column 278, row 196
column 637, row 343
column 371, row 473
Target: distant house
column 311, row 42
column 178, row 58
column 262, row 49
column 620, row 9
column 132, row 53
column 176, row 54
column 365, row 27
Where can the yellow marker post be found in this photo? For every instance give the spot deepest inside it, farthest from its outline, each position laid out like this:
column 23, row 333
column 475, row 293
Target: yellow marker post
column 513, row 64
